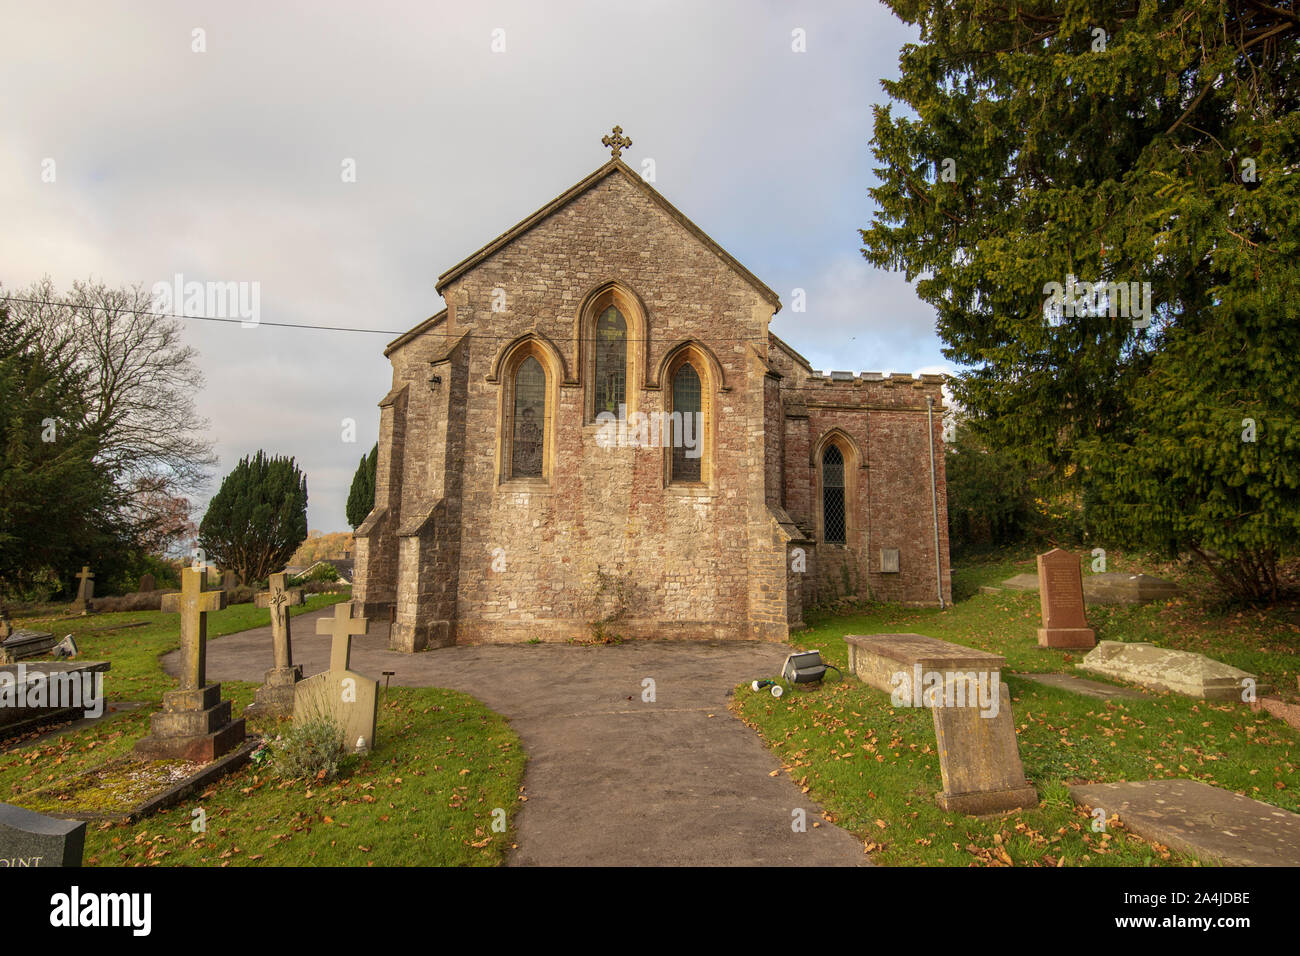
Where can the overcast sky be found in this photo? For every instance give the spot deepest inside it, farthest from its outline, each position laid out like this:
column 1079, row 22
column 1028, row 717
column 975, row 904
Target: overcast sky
column 226, row 165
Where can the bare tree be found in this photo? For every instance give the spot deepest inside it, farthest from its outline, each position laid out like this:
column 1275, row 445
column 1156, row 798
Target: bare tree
column 141, row 382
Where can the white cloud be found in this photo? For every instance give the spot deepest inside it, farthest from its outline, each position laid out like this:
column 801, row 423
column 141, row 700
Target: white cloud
column 225, row 165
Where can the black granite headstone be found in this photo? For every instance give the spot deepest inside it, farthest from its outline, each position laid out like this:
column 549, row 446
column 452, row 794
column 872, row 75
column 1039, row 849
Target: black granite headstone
column 32, row 839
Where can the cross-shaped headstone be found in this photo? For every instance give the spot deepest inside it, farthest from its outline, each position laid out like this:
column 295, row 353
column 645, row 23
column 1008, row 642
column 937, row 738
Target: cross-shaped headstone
column 279, row 604
column 341, row 627
column 195, row 603
column 83, row 590
column 616, row 143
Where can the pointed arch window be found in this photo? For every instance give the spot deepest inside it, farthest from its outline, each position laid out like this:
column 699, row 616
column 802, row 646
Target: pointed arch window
column 687, row 424
column 833, row 510
column 529, row 417
column 610, row 383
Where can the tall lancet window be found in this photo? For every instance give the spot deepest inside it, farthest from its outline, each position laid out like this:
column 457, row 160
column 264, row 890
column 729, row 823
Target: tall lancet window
column 529, row 420
column 687, row 439
column 833, row 495
column 611, row 362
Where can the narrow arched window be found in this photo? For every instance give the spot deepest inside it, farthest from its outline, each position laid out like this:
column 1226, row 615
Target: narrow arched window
column 833, row 495
column 529, row 420
column 687, row 424
column 611, row 362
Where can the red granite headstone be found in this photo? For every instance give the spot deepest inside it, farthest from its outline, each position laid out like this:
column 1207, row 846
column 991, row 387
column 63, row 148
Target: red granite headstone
column 1060, row 594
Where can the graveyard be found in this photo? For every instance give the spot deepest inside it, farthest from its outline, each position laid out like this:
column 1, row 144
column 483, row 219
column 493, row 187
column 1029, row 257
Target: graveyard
column 422, row 797
column 435, row 776
column 875, row 768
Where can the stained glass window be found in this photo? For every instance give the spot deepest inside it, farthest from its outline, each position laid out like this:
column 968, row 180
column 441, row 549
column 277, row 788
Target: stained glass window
column 687, row 430
column 530, row 420
column 611, row 361
column 833, row 495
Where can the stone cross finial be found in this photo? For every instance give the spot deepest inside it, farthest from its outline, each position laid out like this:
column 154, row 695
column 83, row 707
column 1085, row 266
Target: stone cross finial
column 195, row 603
column 341, row 627
column 616, row 143
column 280, row 637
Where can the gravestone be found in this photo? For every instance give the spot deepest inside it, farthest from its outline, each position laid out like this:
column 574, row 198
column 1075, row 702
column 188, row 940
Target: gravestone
column 33, row 839
column 262, row 599
column 275, row 696
column 33, row 695
column 6, row 626
column 229, row 581
column 85, row 602
column 1162, row 668
column 24, row 643
column 1060, row 595
column 1120, row 587
column 195, row 723
column 979, row 756
column 146, row 583
column 351, row 700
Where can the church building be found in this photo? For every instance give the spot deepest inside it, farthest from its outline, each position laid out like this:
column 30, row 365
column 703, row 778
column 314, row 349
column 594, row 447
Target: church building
column 600, row 436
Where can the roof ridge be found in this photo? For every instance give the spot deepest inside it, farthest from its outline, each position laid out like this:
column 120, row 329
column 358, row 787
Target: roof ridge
column 572, row 193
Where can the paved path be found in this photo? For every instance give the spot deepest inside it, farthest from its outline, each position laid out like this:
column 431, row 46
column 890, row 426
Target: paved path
column 1198, row 818
column 610, row 780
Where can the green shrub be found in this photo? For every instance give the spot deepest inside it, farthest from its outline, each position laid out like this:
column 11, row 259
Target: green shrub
column 311, row 749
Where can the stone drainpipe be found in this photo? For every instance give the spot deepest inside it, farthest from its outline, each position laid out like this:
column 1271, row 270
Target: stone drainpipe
column 934, row 501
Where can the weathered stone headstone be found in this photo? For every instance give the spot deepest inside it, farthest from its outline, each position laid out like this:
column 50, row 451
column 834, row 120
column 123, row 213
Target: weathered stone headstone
column 1060, row 594
column 146, row 583
column 195, row 723
column 1162, row 668
column 1119, row 587
column 350, row 699
column 979, row 757
column 262, row 599
column 229, row 581
column 85, row 601
column 276, row 695
column 33, row 839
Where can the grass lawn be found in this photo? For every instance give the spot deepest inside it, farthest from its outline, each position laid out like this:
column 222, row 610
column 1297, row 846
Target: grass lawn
column 874, row 768
column 424, row 797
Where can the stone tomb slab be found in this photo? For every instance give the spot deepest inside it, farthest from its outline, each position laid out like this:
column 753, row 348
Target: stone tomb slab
column 33, row 839
column 1197, row 818
column 32, row 695
column 875, row 658
column 22, row 644
column 1162, row 668
column 1117, row 587
column 1021, row 582
column 1088, row 688
column 979, row 756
